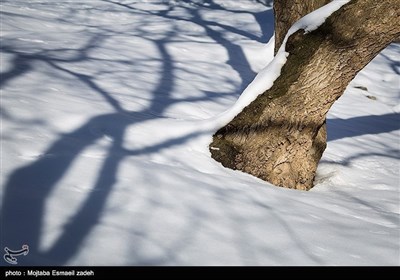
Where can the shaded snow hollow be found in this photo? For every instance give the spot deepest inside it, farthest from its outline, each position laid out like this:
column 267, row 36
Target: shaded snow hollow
column 107, row 109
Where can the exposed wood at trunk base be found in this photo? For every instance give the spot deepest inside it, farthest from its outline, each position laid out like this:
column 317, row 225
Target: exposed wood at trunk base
column 280, row 137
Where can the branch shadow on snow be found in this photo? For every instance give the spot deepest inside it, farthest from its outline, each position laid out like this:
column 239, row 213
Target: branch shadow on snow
column 357, row 126
column 29, row 187
column 22, row 215
column 217, row 31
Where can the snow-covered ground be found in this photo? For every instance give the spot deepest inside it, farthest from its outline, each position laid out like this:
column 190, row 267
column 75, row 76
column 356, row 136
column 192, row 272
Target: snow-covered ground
column 104, row 157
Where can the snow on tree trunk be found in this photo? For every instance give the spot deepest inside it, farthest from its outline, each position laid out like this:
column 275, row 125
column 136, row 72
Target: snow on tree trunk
column 275, row 137
column 287, row 12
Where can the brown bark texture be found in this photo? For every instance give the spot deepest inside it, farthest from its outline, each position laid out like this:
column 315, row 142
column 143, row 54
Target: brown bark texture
column 276, row 137
column 287, row 12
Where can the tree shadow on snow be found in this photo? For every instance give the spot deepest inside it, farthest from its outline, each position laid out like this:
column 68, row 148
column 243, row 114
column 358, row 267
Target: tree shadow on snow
column 372, row 124
column 28, row 188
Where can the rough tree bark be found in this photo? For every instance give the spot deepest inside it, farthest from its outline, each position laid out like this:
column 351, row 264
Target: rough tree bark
column 287, row 12
column 275, row 137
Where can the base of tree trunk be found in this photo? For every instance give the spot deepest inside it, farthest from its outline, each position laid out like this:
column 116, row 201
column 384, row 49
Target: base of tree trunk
column 282, row 155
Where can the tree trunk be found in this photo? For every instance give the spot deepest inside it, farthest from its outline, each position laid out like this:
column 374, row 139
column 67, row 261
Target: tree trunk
column 287, row 12
column 275, row 137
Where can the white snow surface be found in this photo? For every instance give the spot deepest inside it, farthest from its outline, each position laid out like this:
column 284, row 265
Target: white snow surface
column 107, row 110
